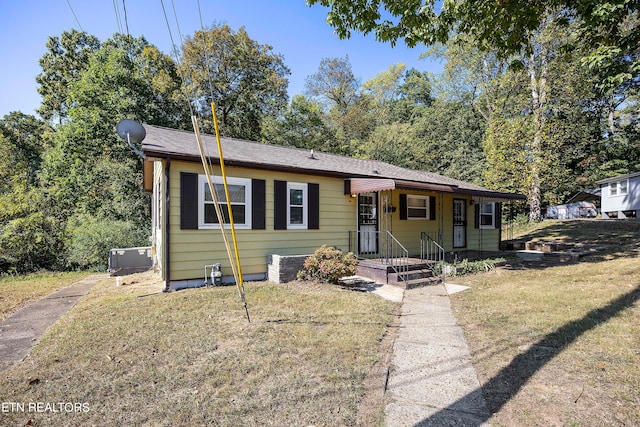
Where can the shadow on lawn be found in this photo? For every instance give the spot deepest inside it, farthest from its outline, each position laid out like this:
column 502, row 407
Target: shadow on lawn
column 590, row 231
column 507, row 383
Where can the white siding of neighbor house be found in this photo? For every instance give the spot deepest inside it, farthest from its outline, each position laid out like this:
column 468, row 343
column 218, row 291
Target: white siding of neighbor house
column 621, row 202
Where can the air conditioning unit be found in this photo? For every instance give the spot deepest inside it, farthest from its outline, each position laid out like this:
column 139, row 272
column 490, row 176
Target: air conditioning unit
column 124, row 261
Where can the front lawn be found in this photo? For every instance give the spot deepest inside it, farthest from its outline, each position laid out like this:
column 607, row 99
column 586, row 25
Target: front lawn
column 17, row 291
column 135, row 356
column 560, row 346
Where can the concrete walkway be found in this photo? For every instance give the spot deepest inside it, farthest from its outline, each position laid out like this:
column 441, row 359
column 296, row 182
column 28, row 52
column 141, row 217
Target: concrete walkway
column 432, row 381
column 21, row 331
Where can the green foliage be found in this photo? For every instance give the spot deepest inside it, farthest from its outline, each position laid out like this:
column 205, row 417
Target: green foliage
column 31, row 243
column 469, row 267
column 328, row 264
column 245, row 78
column 90, row 240
column 303, row 125
column 66, row 57
column 334, row 84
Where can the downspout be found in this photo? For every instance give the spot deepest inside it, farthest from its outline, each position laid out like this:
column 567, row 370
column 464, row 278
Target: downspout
column 167, row 227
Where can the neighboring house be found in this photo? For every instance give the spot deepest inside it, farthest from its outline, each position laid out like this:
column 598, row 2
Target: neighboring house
column 289, row 201
column 620, row 196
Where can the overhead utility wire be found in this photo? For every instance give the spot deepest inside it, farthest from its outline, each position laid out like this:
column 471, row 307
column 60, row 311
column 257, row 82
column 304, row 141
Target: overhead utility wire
column 126, row 21
column 74, row 15
column 206, row 57
column 238, row 273
column 117, row 12
column 208, row 168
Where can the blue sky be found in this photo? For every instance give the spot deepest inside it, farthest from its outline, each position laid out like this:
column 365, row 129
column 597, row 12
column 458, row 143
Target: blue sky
column 296, row 31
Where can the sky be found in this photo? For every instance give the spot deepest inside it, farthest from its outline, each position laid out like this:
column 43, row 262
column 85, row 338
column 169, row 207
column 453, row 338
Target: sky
column 296, row 31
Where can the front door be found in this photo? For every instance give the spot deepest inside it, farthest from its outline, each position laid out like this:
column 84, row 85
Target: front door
column 368, row 223
column 459, row 223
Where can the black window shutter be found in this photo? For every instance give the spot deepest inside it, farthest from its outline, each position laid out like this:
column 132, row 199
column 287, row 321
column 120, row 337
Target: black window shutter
column 280, row 205
column 313, row 194
column 432, row 208
column 188, row 201
column 476, row 222
column 258, row 204
column 403, row 206
column 498, row 213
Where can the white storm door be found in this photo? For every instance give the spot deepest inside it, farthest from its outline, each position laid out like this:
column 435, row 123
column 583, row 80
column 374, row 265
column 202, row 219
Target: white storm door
column 368, row 223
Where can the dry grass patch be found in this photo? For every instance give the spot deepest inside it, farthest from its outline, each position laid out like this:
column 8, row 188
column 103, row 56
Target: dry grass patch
column 16, row 292
column 191, row 357
column 558, row 346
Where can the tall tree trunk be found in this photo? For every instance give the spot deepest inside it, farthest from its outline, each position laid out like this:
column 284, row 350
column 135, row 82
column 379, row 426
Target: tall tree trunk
column 538, row 74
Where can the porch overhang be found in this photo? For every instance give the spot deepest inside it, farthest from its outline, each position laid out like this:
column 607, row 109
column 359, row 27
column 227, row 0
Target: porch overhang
column 354, row 186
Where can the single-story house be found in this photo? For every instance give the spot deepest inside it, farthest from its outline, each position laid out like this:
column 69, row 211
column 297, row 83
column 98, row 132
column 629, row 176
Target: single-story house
column 620, row 196
column 290, row 201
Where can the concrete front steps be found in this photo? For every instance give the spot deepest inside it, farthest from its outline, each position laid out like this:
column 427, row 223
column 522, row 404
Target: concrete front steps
column 415, row 278
column 418, row 273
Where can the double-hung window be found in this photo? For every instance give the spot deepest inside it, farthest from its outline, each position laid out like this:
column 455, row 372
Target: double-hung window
column 619, row 188
column 239, row 195
column 487, row 215
column 297, row 206
column 417, row 207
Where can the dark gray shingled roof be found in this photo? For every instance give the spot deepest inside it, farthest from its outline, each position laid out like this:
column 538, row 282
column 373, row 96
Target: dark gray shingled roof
column 164, row 142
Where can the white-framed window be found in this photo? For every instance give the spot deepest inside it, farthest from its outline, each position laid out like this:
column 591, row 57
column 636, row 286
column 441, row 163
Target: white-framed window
column 297, row 205
column 239, row 194
column 417, row 207
column 487, row 215
column 619, row 188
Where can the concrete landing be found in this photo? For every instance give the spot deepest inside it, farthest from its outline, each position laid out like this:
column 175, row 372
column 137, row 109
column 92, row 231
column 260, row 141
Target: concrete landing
column 21, row 331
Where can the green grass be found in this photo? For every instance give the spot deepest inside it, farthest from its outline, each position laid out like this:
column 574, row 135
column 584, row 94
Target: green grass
column 589, row 231
column 191, row 357
column 16, row 292
column 560, row 345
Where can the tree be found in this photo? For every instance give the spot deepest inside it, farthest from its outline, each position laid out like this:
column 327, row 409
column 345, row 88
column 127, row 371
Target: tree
column 399, row 93
column 450, row 134
column 67, row 56
column 88, row 172
column 334, row 85
column 245, row 79
column 303, row 125
column 350, row 113
column 24, row 140
column 609, row 28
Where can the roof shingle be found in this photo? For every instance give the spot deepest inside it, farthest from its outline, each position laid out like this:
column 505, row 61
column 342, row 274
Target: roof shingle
column 165, row 142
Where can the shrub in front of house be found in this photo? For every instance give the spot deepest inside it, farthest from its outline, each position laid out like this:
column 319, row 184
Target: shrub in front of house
column 328, row 264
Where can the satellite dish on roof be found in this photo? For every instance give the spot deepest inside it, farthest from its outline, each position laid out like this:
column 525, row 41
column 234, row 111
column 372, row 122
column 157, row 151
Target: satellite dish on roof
column 131, row 132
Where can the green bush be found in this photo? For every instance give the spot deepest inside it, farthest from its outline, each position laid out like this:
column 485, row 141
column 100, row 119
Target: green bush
column 29, row 244
column 469, row 267
column 328, row 264
column 92, row 238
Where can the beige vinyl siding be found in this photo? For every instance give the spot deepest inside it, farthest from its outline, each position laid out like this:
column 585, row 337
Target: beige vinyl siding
column 191, row 250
